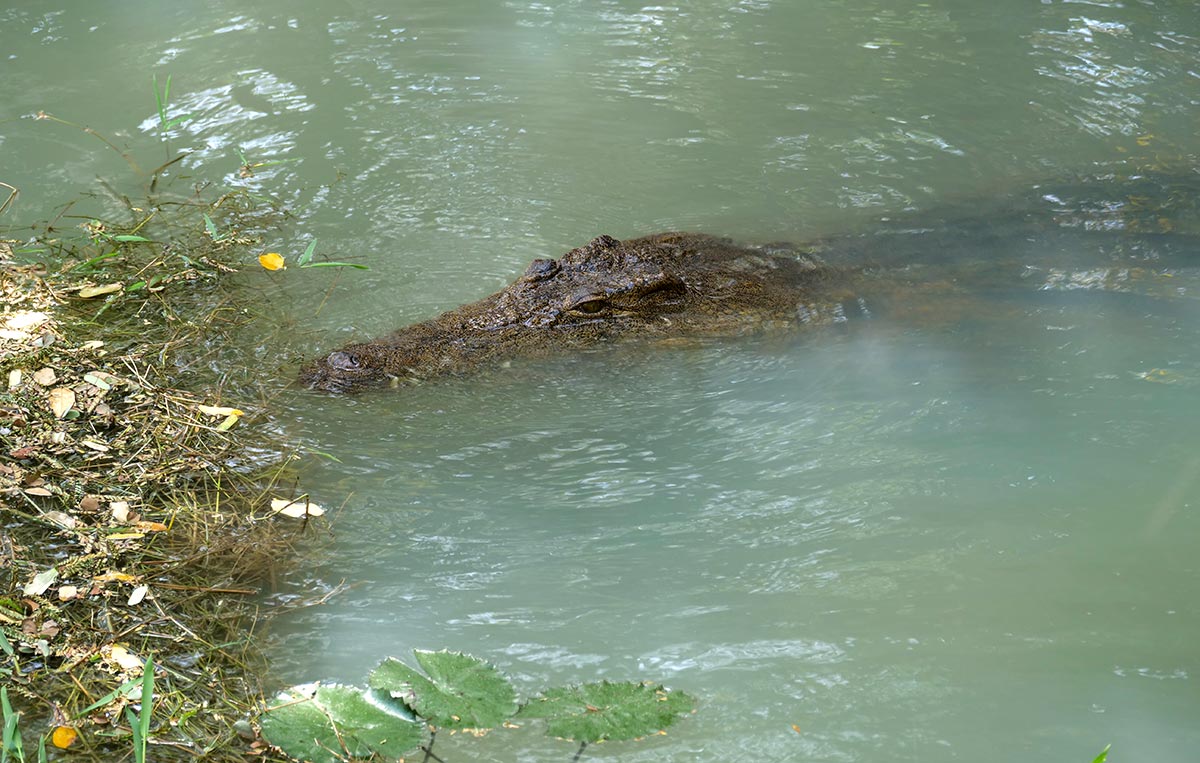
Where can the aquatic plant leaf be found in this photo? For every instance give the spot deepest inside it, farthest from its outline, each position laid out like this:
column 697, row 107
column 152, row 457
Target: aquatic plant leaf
column 614, row 711
column 461, row 692
column 332, row 723
column 1103, row 756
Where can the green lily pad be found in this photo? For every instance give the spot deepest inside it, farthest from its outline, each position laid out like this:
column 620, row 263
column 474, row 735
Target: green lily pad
column 613, row 711
column 329, row 724
column 461, row 692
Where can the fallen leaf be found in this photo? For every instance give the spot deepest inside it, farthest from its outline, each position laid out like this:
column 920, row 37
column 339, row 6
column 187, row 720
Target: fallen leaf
column 296, row 509
column 154, row 527
column 67, row 592
column 25, row 320
column 38, row 491
column 125, row 536
column 93, row 344
column 60, row 518
column 87, row 292
column 1161, row 376
column 213, row 410
column 103, row 381
column 112, row 576
column 229, row 421
column 63, row 737
column 139, row 593
column 14, row 378
column 41, row 582
column 62, row 399
column 89, row 503
column 45, row 376
column 120, row 511
column 122, row 658
column 272, row 261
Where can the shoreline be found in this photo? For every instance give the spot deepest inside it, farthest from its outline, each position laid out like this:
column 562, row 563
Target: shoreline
column 127, row 534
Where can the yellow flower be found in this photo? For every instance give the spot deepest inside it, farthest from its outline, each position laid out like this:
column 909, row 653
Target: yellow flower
column 272, row 261
column 63, row 737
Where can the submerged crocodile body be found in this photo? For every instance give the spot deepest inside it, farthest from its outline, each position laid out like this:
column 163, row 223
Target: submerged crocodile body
column 672, row 285
column 664, row 285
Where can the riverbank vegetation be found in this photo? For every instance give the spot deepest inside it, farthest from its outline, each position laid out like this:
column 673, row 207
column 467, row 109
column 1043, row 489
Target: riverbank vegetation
column 137, row 473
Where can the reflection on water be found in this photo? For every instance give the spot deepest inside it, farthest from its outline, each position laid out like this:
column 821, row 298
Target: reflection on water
column 963, row 526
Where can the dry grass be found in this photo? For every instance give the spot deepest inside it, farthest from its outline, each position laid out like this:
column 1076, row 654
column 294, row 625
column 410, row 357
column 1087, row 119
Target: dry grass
column 134, row 518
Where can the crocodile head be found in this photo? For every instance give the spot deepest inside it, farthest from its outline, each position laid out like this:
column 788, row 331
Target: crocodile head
column 663, row 285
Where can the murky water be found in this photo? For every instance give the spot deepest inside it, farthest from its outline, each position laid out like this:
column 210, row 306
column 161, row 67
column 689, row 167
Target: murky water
column 958, row 533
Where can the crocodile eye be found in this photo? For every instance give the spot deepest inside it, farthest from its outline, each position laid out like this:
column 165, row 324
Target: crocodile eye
column 590, row 307
column 343, row 361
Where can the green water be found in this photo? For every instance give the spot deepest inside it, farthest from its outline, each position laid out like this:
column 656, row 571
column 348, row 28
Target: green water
column 965, row 536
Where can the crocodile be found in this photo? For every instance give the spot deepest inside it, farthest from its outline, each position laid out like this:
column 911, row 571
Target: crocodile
column 678, row 285
column 664, row 285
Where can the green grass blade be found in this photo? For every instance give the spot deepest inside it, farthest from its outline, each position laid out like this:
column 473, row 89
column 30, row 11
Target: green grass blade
column 308, row 253
column 139, row 744
column 6, row 645
column 96, row 260
column 121, row 690
column 147, row 697
column 10, row 742
column 323, row 454
column 160, row 98
column 354, row 265
column 1103, row 756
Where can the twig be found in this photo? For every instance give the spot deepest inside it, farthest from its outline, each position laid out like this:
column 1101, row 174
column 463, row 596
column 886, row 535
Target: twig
column 129, row 159
column 12, row 196
column 204, row 589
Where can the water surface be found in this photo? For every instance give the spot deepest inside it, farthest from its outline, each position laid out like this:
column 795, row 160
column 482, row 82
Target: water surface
column 963, row 532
